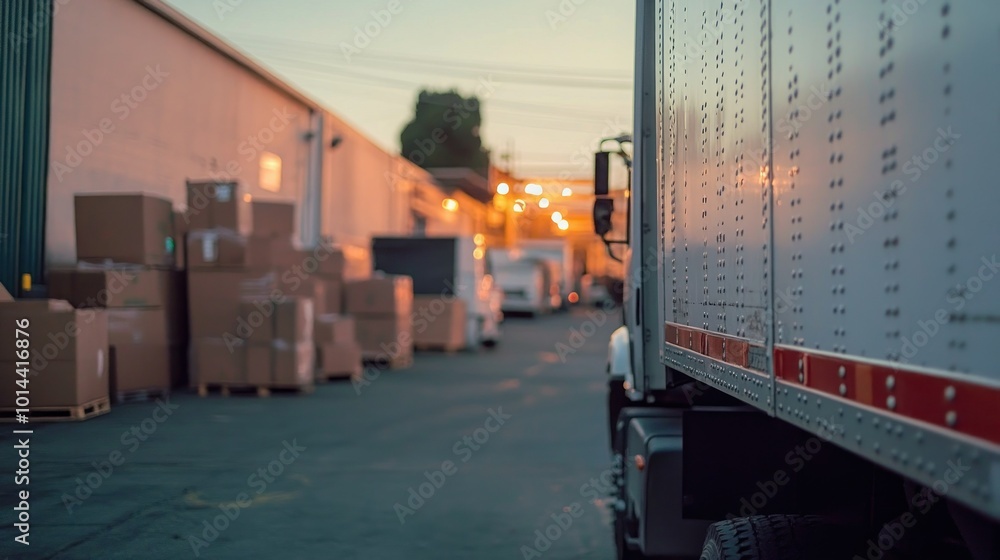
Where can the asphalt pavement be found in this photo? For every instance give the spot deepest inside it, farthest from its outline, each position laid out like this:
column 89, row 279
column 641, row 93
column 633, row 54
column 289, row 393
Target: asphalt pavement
column 496, row 454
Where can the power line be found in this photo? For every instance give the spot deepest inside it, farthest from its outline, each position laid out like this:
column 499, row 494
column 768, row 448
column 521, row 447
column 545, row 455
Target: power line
column 542, row 111
column 535, row 80
column 432, row 61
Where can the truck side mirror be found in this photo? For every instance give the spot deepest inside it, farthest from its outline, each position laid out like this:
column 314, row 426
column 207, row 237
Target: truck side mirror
column 603, row 209
column 601, row 173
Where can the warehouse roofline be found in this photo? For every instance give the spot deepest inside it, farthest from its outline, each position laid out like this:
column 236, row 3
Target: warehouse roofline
column 216, row 43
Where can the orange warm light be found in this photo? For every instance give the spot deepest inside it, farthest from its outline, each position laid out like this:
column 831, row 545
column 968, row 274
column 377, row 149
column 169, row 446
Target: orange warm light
column 573, row 297
column 449, row 204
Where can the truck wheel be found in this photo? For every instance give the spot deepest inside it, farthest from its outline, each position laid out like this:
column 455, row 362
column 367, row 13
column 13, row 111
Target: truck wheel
column 775, row 537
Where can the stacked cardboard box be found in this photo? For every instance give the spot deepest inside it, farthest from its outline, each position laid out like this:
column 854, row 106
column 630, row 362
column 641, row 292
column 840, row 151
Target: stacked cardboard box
column 126, row 248
column 316, row 273
column 224, row 266
column 338, row 351
column 280, row 348
column 125, row 228
column 382, row 307
column 439, row 323
column 67, row 363
column 144, row 317
column 301, row 273
column 250, row 325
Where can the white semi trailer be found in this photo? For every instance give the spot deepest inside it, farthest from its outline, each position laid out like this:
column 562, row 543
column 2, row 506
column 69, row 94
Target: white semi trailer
column 809, row 362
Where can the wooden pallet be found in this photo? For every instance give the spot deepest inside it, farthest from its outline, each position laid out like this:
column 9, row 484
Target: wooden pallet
column 60, row 413
column 225, row 390
column 140, row 395
column 380, row 359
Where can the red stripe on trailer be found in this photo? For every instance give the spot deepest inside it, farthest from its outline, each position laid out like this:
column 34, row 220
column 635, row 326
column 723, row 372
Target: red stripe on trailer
column 956, row 405
column 732, row 350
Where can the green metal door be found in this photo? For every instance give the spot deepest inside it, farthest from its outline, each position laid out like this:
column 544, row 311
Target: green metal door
column 25, row 65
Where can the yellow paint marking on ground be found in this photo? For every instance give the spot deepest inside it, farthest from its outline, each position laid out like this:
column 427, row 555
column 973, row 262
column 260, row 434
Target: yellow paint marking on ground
column 509, row 385
column 273, row 497
column 548, row 357
column 534, row 370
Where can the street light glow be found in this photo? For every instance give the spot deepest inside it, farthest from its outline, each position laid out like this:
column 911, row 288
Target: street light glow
column 543, row 203
column 503, row 188
column 533, row 189
column 519, row 205
column 557, row 216
column 564, row 225
column 449, row 204
column 567, row 191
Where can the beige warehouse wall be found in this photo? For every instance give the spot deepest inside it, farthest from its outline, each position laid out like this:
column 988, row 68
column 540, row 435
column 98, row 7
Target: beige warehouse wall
column 170, row 107
column 360, row 197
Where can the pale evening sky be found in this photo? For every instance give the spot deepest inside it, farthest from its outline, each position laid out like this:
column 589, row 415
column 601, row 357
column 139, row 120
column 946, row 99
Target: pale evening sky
column 560, row 70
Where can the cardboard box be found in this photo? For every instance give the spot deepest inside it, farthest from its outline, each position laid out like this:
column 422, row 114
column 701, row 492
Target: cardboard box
column 59, row 283
column 223, row 248
column 217, row 361
column 124, row 228
column 136, row 367
column 331, row 262
column 281, row 365
column 385, row 295
column 332, row 328
column 388, row 335
column 69, row 357
column 293, row 320
column 59, row 384
column 263, row 321
column 324, row 261
column 438, row 322
column 294, row 364
column 217, row 205
column 333, row 297
column 100, row 286
column 138, row 327
column 273, row 219
column 310, row 287
column 340, row 358
column 214, row 298
column 58, row 332
column 260, row 364
column 255, row 323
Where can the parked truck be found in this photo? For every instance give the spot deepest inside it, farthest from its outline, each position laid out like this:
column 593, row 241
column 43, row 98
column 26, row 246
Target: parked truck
column 528, row 284
column 807, row 364
column 559, row 253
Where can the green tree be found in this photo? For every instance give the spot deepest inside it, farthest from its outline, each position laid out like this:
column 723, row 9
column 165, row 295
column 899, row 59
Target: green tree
column 444, row 132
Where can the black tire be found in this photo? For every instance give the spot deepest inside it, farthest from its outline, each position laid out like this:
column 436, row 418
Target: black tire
column 490, row 343
column 776, row 537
